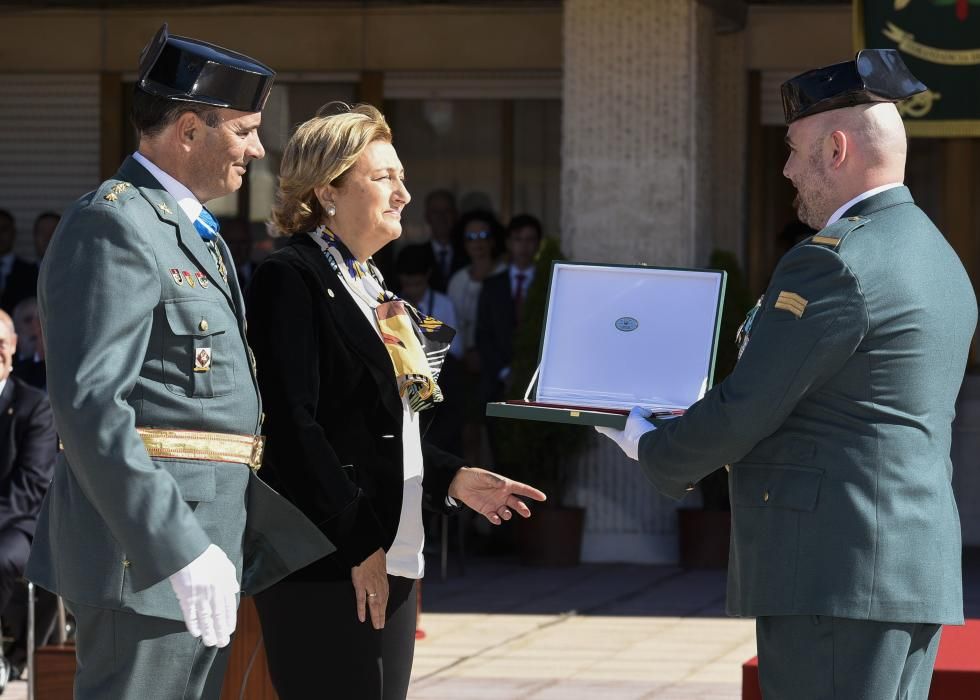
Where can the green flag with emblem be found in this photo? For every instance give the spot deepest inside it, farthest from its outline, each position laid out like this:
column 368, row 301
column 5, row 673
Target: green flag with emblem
column 940, row 43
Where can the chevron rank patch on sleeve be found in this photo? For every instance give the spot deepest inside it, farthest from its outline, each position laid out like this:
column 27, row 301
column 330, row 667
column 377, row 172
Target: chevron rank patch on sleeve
column 792, row 302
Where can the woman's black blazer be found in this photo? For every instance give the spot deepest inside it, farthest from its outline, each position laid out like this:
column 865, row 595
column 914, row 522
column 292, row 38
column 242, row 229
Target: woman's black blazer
column 333, row 415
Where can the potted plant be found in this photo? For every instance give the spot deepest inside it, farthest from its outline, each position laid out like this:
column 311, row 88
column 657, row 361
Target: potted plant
column 538, row 453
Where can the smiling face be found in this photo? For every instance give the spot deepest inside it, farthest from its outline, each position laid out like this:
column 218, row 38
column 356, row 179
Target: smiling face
column 221, row 153
column 369, row 200
column 807, row 167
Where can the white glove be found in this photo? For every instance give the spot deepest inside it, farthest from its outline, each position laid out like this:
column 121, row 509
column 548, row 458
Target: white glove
column 628, row 439
column 206, row 590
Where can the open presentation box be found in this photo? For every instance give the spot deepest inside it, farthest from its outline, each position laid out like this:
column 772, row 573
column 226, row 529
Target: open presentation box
column 619, row 336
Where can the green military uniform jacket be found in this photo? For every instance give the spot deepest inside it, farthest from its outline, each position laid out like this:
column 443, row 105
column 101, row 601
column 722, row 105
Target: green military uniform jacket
column 836, row 424
column 129, row 295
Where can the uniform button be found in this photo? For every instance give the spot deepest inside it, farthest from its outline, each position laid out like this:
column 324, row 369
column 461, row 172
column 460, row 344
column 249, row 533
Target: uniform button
column 689, row 487
column 765, row 496
column 203, row 325
column 330, row 293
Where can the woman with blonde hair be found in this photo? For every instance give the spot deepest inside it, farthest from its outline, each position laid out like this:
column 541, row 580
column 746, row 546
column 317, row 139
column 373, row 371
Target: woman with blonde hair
column 348, row 374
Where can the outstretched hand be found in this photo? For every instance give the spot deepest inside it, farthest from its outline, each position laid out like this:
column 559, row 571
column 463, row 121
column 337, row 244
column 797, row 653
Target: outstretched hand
column 492, row 495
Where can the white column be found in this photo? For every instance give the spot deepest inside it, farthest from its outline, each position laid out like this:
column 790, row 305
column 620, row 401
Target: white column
column 641, row 109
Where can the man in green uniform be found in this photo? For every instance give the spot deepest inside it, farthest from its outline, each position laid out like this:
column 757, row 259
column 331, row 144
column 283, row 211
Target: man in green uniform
column 836, row 421
column 155, row 519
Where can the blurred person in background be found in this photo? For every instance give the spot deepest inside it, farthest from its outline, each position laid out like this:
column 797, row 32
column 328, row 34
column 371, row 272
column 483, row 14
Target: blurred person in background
column 482, row 237
column 29, row 363
column 18, row 277
column 501, row 305
column 44, row 228
column 414, row 270
column 28, row 445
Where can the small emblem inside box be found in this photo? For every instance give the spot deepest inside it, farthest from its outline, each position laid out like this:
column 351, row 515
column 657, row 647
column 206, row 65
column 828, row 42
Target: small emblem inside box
column 627, row 324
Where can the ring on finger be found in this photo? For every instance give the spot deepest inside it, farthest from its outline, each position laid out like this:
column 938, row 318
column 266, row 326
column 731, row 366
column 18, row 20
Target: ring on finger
column 372, row 595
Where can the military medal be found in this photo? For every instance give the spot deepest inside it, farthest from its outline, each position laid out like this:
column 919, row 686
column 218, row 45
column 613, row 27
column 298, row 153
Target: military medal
column 745, row 330
column 202, row 360
column 203, row 279
column 189, row 277
column 175, row 273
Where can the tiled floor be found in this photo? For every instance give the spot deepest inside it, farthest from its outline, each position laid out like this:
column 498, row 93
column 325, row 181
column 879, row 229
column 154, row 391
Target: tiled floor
column 616, row 632
column 593, row 632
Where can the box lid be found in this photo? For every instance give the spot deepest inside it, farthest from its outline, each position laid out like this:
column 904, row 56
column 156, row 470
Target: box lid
column 619, row 336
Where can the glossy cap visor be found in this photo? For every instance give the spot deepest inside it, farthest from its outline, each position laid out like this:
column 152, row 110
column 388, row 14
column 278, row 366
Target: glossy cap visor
column 188, row 70
column 875, row 75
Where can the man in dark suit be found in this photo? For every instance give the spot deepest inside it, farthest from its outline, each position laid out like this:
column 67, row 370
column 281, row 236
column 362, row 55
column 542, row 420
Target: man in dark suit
column 28, row 445
column 18, row 277
column 446, row 255
column 501, row 304
column 27, row 450
column 836, row 421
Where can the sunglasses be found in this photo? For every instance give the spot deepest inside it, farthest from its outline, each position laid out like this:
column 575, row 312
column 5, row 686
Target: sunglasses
column 476, row 235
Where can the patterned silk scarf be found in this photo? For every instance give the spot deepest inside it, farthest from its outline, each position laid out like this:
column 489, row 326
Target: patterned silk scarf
column 417, row 344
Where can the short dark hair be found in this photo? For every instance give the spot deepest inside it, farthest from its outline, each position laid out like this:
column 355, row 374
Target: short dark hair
column 415, row 260
column 151, row 114
column 487, row 217
column 525, row 221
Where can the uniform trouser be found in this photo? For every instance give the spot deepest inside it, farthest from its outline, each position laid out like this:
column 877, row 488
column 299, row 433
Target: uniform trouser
column 812, row 657
column 317, row 648
column 125, row 656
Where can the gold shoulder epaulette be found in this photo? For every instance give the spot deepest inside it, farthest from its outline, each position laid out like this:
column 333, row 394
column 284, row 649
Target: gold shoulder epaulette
column 113, row 194
column 832, row 236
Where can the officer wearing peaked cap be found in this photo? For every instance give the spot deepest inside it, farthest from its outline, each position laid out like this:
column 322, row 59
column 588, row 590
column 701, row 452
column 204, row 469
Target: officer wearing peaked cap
column 836, row 420
column 156, row 520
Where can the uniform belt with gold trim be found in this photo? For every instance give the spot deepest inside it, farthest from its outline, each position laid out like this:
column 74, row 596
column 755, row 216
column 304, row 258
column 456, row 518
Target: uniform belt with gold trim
column 200, row 445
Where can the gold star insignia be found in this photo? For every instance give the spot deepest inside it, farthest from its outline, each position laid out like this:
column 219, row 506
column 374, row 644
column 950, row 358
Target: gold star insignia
column 111, row 197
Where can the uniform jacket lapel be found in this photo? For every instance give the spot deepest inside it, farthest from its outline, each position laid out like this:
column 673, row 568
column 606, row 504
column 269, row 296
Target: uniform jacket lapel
column 168, row 210
column 352, row 323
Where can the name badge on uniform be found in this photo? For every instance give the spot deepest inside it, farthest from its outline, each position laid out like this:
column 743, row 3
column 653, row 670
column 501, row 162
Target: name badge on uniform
column 202, row 360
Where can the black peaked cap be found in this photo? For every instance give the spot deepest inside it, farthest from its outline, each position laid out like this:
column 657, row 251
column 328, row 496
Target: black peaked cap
column 875, row 75
column 188, row 70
